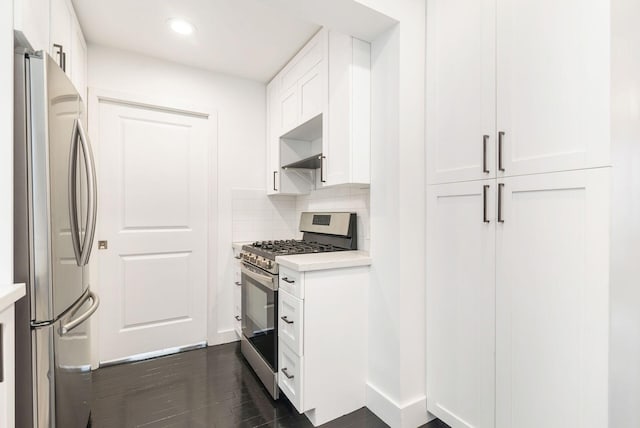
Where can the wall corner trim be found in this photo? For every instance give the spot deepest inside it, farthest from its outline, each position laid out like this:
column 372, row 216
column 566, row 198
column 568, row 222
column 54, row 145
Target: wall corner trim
column 409, row 415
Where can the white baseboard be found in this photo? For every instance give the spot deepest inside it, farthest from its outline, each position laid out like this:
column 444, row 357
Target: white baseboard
column 409, row 415
column 226, row 336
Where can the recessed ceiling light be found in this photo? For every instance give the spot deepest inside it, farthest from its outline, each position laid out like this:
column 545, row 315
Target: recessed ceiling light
column 181, row 26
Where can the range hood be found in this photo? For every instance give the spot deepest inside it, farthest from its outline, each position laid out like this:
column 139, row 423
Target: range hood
column 312, row 162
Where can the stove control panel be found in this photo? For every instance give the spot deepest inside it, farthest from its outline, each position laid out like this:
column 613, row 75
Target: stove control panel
column 259, row 261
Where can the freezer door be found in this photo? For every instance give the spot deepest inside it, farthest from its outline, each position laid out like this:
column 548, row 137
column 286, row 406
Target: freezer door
column 72, row 365
column 56, row 156
column 62, row 368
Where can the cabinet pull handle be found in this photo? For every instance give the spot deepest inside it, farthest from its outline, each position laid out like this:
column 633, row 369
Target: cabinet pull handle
column 500, row 187
column 286, row 373
column 287, row 280
column 322, row 158
column 239, row 284
column 500, row 138
column 285, row 319
column 484, row 203
column 64, row 61
column 485, row 139
column 274, row 180
column 237, row 317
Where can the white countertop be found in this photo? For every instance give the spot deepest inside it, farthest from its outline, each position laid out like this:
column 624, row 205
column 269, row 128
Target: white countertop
column 322, row 261
column 9, row 294
column 238, row 245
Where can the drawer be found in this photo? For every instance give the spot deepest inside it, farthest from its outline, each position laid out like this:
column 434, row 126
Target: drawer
column 292, row 282
column 290, row 321
column 237, row 276
column 290, row 380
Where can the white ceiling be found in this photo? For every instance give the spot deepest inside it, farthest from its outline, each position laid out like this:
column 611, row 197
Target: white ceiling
column 245, row 38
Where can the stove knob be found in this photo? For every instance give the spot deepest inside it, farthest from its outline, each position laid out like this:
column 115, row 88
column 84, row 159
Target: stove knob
column 269, row 264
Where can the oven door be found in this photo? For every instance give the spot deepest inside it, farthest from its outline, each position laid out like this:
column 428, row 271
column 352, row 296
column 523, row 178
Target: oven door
column 260, row 312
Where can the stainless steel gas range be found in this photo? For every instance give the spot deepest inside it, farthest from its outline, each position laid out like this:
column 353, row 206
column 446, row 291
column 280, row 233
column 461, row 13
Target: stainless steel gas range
column 322, row 232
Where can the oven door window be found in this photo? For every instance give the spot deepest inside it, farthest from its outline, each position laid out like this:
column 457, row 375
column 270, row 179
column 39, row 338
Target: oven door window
column 259, row 314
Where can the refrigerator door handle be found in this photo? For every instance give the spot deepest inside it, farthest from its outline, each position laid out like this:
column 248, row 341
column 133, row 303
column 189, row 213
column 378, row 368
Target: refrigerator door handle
column 73, row 194
column 66, row 328
column 92, row 195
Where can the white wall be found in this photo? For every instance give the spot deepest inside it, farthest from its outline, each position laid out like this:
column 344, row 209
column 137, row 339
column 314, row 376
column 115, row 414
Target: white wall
column 624, row 375
column 240, row 107
column 397, row 360
column 6, row 142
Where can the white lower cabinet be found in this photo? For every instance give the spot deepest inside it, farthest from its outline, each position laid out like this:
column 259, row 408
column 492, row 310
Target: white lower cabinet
column 322, row 340
column 289, row 375
column 517, row 301
column 7, row 368
column 237, row 294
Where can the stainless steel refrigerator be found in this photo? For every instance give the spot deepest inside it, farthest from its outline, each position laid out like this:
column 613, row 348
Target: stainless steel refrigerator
column 55, row 219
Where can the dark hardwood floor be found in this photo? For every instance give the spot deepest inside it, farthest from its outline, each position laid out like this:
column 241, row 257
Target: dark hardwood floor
column 212, row 387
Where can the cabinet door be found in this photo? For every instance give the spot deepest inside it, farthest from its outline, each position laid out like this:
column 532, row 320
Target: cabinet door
column 460, row 90
column 291, row 322
column 7, row 386
column 273, row 137
column 553, row 84
column 460, row 303
column 289, row 109
column 312, row 92
column 61, row 19
column 78, row 60
column 552, row 275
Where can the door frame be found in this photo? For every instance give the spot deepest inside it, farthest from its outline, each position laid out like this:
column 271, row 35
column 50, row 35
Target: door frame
column 98, row 95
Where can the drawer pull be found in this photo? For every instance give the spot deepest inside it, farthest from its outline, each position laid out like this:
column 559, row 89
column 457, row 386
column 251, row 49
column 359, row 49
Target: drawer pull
column 285, row 319
column 287, row 280
column 286, row 373
column 239, row 284
column 237, row 317
column 238, row 257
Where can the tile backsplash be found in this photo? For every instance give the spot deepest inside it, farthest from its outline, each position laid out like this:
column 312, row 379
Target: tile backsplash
column 257, row 216
column 341, row 199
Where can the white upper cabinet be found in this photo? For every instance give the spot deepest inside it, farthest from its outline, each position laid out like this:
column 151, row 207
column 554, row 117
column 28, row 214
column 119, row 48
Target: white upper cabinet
column 67, row 45
column 347, row 148
column 60, row 34
column 303, row 84
column 461, row 90
column 553, row 84
column 319, row 116
column 31, row 17
column 280, row 181
column 516, row 87
column 79, row 61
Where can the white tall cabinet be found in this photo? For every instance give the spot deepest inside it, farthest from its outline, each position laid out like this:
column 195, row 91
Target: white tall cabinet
column 518, row 132
column 461, row 302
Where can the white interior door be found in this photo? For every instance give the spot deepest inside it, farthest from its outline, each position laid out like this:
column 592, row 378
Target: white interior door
column 461, row 90
column 461, row 303
column 153, row 181
column 553, row 84
column 552, row 301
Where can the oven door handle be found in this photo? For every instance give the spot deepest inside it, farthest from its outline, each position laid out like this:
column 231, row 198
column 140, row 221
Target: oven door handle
column 265, row 280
